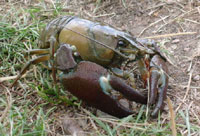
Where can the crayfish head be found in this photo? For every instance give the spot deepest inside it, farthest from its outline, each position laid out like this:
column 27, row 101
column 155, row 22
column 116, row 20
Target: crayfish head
column 134, row 48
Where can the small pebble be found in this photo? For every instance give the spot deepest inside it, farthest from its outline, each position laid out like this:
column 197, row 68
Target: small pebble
column 196, row 78
column 175, row 41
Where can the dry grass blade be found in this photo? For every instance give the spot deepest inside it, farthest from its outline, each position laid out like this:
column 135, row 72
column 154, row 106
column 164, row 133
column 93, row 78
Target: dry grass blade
column 178, row 17
column 9, row 104
column 101, row 15
column 2, row 79
column 192, row 21
column 136, row 126
column 170, row 35
column 187, row 91
column 93, row 124
column 172, row 117
column 154, row 23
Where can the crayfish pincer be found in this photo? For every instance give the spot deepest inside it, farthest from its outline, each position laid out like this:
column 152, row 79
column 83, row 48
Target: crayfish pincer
column 90, row 54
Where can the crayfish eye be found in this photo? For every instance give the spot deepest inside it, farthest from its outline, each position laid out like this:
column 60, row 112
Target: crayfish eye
column 121, row 43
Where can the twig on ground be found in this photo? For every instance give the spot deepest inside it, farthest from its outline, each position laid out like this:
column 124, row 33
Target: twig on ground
column 2, row 79
column 93, row 124
column 185, row 86
column 156, row 6
column 101, row 15
column 116, row 122
column 190, row 66
column 154, row 23
column 169, row 35
column 187, row 90
column 193, row 21
column 176, row 18
column 9, row 104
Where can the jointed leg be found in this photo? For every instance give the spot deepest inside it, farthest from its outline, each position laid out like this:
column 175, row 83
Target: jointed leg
column 37, row 52
column 125, row 75
column 28, row 64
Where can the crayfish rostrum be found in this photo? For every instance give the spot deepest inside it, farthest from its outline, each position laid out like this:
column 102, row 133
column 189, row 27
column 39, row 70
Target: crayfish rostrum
column 88, row 54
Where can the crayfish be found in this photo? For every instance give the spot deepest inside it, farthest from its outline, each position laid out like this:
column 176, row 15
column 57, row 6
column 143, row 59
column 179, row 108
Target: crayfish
column 88, row 54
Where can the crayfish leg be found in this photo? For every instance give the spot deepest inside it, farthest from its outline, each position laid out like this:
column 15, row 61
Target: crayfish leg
column 28, row 64
column 127, row 75
column 37, row 52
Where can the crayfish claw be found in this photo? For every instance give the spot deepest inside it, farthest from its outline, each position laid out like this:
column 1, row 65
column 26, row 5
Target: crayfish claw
column 127, row 91
column 84, row 82
column 158, row 84
column 154, row 77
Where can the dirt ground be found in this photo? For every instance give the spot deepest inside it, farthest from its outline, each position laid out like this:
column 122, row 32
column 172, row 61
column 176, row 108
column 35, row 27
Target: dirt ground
column 175, row 25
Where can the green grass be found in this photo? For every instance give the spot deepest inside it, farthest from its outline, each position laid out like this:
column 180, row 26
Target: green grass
column 19, row 31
